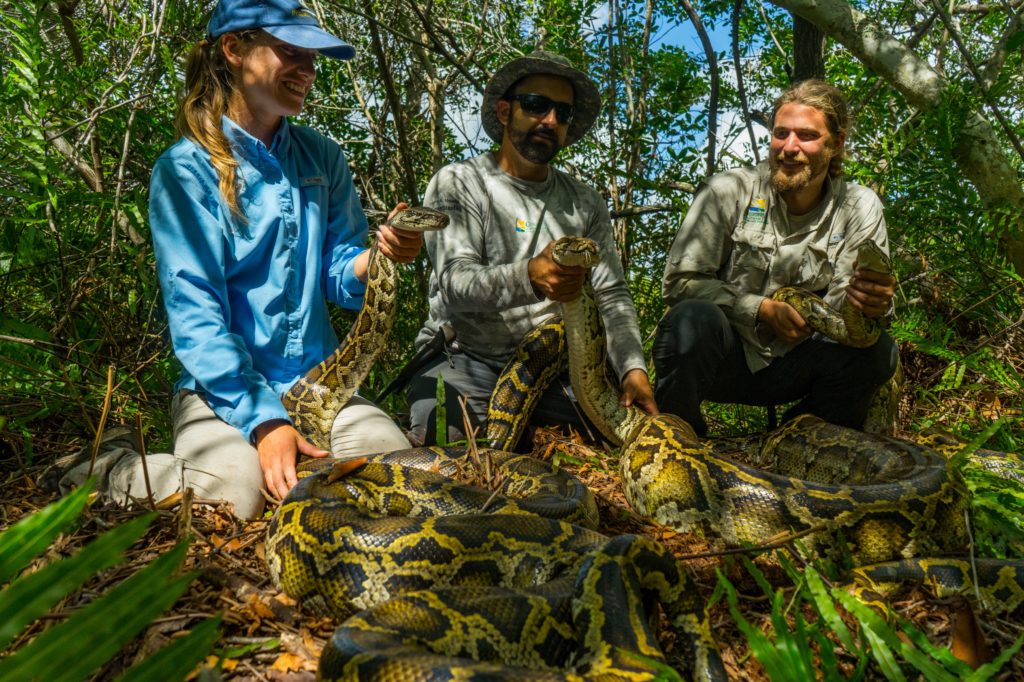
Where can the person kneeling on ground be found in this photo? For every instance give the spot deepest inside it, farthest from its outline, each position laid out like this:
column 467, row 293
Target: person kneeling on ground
column 792, row 221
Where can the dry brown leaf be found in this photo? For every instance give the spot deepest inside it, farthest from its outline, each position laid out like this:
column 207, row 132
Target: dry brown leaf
column 259, row 607
column 969, row 643
column 225, row 546
column 994, row 408
column 287, row 662
column 210, row 663
column 344, row 468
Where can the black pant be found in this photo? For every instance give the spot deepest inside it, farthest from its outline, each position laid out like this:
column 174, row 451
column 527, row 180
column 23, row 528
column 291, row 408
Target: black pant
column 475, row 379
column 699, row 356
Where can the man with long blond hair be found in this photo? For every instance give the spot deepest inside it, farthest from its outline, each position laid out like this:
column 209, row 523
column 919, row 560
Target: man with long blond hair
column 256, row 225
column 792, row 221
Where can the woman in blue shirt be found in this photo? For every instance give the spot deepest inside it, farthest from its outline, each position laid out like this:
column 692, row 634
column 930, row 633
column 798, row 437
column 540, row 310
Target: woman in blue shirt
column 255, row 225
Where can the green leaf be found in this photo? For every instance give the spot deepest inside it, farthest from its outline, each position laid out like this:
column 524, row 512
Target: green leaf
column 177, row 659
column 32, row 596
column 939, row 653
column 826, row 608
column 884, row 640
column 75, row 648
column 760, row 645
column 884, row 657
column 30, row 536
column 1015, row 41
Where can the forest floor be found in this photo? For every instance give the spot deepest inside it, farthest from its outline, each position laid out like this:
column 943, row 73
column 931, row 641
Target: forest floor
column 266, row 637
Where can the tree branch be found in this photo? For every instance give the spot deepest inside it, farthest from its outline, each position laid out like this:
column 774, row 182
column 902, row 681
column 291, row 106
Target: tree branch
column 737, row 7
column 972, row 67
column 709, row 51
column 391, row 93
column 978, row 151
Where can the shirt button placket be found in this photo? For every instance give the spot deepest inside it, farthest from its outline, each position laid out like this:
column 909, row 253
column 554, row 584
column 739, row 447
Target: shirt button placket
column 292, row 293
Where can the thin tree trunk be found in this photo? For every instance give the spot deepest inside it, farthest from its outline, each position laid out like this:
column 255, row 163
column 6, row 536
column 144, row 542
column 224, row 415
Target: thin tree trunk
column 709, row 51
column 737, row 8
column 808, row 50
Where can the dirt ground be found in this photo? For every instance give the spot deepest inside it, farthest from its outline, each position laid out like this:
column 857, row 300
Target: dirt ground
column 266, row 637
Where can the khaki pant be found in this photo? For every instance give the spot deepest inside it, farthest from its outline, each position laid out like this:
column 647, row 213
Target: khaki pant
column 217, row 462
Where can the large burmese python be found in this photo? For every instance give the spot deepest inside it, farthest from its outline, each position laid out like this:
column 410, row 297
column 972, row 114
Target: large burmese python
column 884, row 498
column 433, row 587
column 315, row 400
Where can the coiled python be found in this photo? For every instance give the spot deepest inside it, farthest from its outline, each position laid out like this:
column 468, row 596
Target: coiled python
column 432, row 587
column 888, row 498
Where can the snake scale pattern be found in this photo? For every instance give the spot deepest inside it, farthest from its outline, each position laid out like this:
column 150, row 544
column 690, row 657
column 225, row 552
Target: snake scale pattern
column 431, row 586
column 315, row 400
column 884, row 498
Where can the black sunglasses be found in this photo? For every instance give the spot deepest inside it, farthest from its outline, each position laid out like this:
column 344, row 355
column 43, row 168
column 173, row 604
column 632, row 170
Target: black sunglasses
column 540, row 105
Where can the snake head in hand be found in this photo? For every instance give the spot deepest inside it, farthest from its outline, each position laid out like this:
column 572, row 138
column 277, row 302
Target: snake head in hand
column 401, row 237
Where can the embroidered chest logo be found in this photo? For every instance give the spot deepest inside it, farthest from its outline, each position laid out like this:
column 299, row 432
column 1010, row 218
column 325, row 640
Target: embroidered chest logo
column 756, row 211
column 524, row 226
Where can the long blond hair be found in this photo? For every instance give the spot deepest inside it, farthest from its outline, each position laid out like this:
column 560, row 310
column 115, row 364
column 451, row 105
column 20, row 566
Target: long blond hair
column 208, row 88
column 830, row 102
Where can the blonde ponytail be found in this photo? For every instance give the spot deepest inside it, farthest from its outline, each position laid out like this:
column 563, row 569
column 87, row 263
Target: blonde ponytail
column 208, row 86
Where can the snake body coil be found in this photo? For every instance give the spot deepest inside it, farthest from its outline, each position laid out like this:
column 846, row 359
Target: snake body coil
column 315, row 400
column 887, row 498
column 432, row 586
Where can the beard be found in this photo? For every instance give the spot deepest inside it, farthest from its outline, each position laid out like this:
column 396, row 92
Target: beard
column 785, row 181
column 538, row 145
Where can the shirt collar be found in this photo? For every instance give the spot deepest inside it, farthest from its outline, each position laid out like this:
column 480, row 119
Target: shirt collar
column 250, row 146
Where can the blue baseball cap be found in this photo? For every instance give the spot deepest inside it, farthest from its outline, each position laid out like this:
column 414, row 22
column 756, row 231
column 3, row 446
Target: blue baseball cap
column 286, row 20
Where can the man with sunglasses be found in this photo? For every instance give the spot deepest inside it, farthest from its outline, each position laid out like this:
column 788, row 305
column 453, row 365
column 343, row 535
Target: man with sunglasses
column 791, row 221
column 493, row 277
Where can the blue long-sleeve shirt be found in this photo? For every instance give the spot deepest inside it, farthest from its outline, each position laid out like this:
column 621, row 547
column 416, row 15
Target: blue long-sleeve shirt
column 246, row 300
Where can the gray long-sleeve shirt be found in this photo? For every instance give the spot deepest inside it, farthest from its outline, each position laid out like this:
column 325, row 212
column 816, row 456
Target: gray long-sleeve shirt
column 480, row 283
column 737, row 245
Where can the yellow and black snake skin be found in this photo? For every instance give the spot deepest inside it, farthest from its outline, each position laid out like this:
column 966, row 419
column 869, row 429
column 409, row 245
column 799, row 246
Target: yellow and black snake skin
column 887, row 498
column 315, row 400
column 537, row 360
column 440, row 580
column 430, row 587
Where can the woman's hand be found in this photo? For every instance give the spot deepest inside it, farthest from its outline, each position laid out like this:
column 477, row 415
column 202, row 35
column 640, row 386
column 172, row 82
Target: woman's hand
column 278, row 445
column 400, row 246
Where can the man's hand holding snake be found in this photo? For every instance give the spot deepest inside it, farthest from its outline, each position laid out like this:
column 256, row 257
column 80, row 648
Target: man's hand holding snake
column 555, row 281
column 871, row 292
column 636, row 390
column 784, row 320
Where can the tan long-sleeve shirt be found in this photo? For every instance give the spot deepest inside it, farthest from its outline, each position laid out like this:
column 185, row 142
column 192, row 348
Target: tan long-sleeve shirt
column 737, row 245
